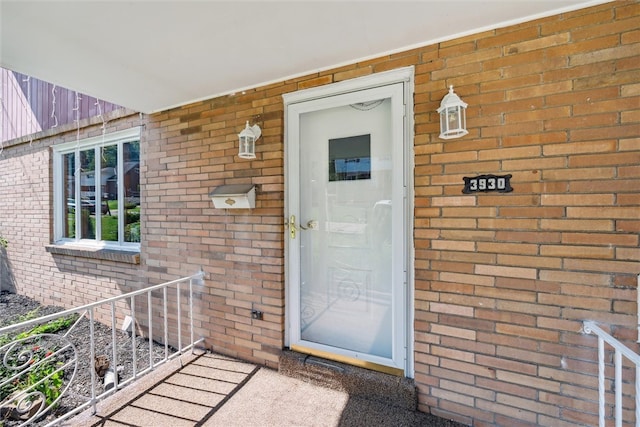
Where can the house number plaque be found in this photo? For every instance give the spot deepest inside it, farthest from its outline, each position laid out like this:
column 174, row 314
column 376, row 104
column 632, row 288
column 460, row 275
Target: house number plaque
column 485, row 183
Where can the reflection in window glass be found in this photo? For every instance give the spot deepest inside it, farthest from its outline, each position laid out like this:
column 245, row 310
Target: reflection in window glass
column 87, row 194
column 109, row 190
column 131, row 181
column 350, row 158
column 69, row 185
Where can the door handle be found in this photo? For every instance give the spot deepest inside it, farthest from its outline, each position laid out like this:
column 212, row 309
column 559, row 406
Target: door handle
column 312, row 224
column 292, row 227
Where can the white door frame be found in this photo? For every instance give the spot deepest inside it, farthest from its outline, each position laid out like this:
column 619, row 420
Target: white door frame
column 402, row 75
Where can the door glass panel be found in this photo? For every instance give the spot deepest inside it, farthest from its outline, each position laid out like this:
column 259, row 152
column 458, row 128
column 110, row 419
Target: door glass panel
column 346, row 228
column 350, row 158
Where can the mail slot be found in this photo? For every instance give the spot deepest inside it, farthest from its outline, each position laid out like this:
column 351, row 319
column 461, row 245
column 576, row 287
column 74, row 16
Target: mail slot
column 236, row 196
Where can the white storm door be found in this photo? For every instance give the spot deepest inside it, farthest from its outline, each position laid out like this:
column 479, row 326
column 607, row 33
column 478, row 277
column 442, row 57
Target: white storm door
column 347, row 224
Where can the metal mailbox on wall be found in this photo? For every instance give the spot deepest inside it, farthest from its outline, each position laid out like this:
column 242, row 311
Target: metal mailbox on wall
column 235, row 196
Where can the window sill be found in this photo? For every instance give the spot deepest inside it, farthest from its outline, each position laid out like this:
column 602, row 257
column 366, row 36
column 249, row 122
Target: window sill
column 116, row 255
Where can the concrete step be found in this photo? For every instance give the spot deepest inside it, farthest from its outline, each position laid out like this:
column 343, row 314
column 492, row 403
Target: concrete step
column 357, row 382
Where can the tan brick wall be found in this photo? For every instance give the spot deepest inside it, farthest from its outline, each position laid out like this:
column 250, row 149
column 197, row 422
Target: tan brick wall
column 510, row 277
column 502, row 281
column 190, row 151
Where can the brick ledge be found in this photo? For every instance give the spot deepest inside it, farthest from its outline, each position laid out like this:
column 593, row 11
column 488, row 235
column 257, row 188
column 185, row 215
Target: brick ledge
column 105, row 254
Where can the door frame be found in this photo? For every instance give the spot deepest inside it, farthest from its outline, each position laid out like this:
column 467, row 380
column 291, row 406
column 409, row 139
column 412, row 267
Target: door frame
column 406, row 77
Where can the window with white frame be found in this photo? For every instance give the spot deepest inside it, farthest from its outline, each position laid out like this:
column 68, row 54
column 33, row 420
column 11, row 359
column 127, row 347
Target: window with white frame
column 97, row 191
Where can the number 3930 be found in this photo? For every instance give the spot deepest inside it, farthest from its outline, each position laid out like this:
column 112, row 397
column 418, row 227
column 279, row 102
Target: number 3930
column 485, row 183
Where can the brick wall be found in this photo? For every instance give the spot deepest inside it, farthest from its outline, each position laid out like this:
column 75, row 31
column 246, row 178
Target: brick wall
column 190, row 151
column 502, row 281
column 507, row 279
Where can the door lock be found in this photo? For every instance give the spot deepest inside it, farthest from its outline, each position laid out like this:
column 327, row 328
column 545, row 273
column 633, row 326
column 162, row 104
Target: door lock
column 292, row 226
column 312, row 224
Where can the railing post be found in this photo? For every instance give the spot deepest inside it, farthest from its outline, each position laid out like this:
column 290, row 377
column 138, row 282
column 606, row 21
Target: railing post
column 114, row 347
column 166, row 323
column 637, row 395
column 601, row 397
column 92, row 362
column 618, row 378
column 191, row 311
column 179, row 318
column 150, row 313
column 133, row 337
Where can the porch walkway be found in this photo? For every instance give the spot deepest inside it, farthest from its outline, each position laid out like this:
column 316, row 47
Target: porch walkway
column 213, row 390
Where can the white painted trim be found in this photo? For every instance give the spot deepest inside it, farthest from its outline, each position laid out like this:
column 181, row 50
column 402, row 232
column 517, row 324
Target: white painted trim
column 59, row 203
column 362, row 83
column 409, row 170
column 131, row 134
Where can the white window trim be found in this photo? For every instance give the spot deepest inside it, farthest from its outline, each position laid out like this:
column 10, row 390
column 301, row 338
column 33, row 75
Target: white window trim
column 59, row 202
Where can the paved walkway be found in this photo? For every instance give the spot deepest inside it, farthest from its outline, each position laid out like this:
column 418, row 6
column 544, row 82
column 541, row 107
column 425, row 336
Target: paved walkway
column 213, row 390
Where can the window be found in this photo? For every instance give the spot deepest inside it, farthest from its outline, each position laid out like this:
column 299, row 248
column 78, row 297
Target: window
column 350, row 158
column 97, row 191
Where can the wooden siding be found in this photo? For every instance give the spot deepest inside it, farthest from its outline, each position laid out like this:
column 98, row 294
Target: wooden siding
column 30, row 105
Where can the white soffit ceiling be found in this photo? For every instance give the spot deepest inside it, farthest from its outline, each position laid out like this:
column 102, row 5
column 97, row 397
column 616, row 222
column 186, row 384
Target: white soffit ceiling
column 153, row 55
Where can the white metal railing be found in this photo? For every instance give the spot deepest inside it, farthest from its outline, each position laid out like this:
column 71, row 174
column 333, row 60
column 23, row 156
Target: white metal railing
column 620, row 350
column 34, row 364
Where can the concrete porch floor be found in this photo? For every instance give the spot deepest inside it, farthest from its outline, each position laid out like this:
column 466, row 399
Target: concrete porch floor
column 213, row 390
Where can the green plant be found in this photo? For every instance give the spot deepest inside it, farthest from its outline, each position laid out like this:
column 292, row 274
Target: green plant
column 3, row 241
column 110, row 228
column 28, row 315
column 45, row 378
column 132, row 216
column 49, row 328
column 132, row 232
column 46, row 370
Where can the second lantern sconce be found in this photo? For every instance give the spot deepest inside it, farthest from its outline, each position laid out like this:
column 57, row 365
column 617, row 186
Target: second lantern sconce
column 248, row 137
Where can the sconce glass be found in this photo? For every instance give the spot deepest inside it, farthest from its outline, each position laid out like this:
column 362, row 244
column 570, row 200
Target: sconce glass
column 453, row 116
column 248, row 137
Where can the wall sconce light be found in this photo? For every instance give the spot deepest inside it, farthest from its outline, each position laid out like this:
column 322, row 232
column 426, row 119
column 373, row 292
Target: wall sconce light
column 248, row 136
column 453, row 118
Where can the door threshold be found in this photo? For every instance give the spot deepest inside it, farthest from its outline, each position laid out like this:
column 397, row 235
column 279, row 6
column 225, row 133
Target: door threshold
column 349, row 360
column 355, row 381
